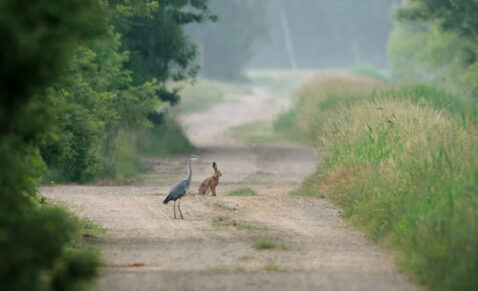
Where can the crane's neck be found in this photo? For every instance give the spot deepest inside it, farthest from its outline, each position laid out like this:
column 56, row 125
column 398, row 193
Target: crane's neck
column 190, row 172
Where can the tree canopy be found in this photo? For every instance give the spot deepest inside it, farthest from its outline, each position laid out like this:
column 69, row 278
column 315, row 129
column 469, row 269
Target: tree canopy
column 437, row 40
column 156, row 42
column 458, row 16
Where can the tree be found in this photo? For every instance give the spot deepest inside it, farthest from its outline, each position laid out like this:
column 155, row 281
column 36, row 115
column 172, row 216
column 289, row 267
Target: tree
column 437, row 41
column 93, row 100
column 108, row 92
column 156, row 41
column 457, row 16
column 37, row 40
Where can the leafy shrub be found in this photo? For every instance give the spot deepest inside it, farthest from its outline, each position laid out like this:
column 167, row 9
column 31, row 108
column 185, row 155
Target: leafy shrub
column 36, row 41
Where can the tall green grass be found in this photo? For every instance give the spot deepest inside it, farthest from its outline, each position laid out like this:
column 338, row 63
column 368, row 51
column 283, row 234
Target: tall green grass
column 403, row 164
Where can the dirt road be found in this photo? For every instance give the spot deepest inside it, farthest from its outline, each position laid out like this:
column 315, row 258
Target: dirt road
column 145, row 248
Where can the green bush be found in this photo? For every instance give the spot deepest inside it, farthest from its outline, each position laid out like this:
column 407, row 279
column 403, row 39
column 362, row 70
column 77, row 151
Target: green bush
column 37, row 255
column 436, row 41
column 95, row 103
column 37, row 39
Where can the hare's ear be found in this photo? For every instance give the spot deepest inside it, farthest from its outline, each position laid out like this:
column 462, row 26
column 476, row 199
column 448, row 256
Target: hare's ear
column 214, row 165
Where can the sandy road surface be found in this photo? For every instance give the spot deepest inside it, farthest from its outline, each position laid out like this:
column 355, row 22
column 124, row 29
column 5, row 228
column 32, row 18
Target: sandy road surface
column 146, row 249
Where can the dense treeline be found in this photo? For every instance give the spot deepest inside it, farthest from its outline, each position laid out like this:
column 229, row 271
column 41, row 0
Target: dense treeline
column 111, row 90
column 437, row 41
column 72, row 103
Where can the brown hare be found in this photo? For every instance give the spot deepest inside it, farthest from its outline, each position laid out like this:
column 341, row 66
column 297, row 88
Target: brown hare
column 210, row 183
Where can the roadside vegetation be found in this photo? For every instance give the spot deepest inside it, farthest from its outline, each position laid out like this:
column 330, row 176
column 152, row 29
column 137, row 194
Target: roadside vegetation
column 402, row 162
column 109, row 106
column 77, row 106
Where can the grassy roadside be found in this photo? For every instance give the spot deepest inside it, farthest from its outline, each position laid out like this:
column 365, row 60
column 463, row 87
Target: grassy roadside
column 402, row 162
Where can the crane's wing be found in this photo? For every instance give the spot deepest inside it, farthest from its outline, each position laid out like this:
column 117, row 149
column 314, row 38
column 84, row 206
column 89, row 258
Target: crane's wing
column 177, row 191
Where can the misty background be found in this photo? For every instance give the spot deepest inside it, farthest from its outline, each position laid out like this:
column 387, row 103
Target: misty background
column 302, row 34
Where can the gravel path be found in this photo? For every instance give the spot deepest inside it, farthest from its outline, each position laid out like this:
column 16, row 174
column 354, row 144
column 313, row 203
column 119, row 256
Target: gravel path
column 145, row 248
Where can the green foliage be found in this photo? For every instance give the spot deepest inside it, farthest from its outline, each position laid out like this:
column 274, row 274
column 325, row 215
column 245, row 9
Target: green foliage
column 37, row 40
column 158, row 46
column 402, row 164
column 94, row 101
column 68, row 103
column 460, row 17
column 74, row 267
column 436, row 41
column 37, row 255
column 285, row 120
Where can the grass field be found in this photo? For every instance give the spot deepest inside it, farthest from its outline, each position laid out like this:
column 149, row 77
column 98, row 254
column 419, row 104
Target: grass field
column 402, row 162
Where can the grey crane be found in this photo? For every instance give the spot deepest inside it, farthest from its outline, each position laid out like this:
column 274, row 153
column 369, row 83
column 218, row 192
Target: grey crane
column 180, row 189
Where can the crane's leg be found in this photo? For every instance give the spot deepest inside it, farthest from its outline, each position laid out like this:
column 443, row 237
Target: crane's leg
column 174, row 207
column 180, row 209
